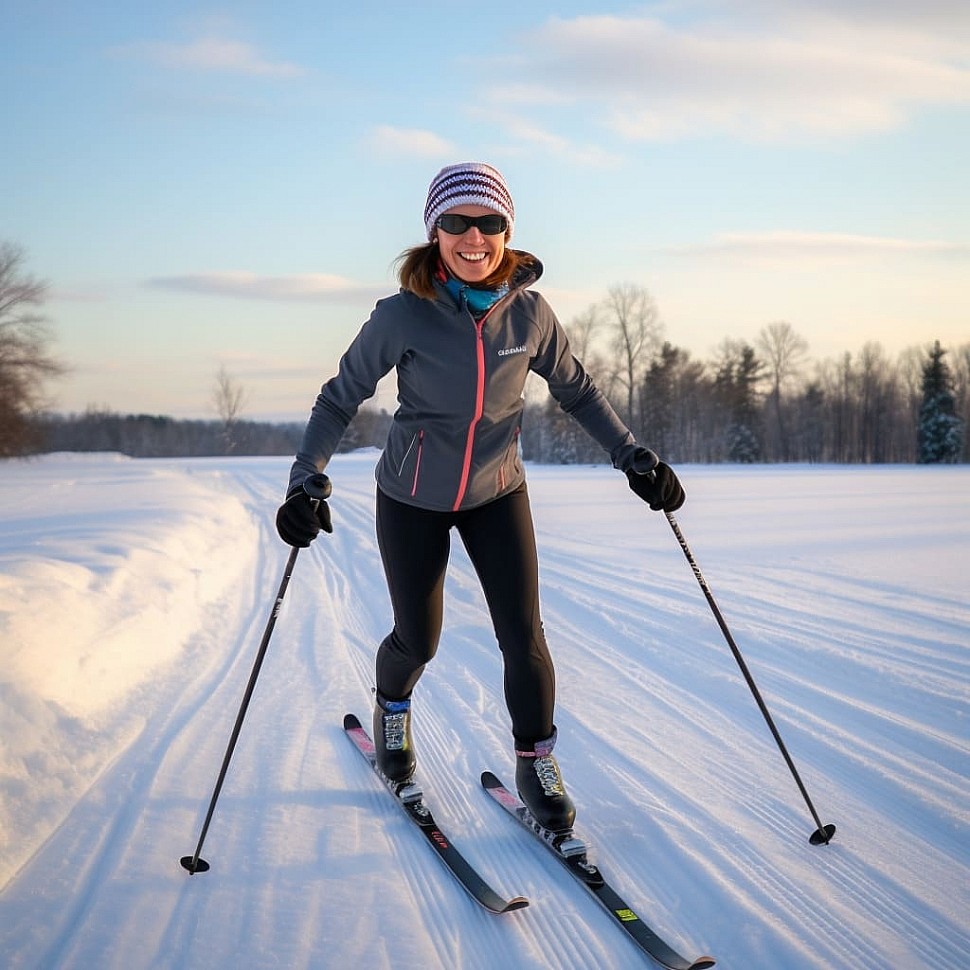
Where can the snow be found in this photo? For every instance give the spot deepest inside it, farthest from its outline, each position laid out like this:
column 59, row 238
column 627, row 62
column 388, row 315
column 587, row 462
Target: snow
column 133, row 595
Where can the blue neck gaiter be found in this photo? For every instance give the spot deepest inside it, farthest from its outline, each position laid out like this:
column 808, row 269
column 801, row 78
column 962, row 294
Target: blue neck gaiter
column 478, row 301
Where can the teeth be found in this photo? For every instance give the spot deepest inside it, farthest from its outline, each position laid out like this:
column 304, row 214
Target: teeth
column 472, row 257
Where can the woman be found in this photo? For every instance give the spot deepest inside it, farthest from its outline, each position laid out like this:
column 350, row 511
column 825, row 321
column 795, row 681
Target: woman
column 463, row 333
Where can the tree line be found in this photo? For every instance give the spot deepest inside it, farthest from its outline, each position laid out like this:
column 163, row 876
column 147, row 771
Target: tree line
column 764, row 401
column 159, row 436
column 760, row 402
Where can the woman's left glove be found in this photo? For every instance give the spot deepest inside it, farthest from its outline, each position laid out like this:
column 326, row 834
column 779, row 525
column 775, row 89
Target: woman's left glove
column 305, row 512
column 655, row 482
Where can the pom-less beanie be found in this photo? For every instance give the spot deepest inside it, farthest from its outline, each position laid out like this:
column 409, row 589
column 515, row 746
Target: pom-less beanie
column 468, row 183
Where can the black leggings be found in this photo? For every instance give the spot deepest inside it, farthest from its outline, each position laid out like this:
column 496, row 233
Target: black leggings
column 500, row 541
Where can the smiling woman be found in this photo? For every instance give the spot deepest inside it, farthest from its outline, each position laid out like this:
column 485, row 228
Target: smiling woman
column 463, row 335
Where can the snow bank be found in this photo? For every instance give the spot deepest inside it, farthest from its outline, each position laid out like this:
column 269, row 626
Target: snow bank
column 106, row 566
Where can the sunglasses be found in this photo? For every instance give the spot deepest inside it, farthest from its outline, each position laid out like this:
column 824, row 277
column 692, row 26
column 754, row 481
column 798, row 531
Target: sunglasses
column 455, row 225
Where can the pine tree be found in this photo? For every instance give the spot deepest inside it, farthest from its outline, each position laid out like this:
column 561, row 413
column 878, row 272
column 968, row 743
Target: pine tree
column 940, row 431
column 736, row 385
column 659, row 399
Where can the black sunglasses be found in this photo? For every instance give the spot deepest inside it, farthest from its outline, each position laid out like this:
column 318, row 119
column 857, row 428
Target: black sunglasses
column 455, row 225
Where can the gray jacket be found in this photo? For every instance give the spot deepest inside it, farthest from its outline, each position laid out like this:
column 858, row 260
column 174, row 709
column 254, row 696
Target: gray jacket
column 454, row 440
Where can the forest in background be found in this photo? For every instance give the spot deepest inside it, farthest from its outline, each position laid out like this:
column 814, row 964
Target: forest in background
column 764, row 401
column 862, row 409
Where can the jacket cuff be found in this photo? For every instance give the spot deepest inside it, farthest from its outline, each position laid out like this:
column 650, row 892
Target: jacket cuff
column 635, row 458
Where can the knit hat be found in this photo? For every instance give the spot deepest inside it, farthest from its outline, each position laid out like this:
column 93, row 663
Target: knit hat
column 468, row 183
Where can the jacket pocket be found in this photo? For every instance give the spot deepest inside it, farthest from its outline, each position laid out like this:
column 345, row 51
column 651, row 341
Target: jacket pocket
column 511, row 465
column 402, row 464
column 402, row 460
column 417, row 463
column 409, row 464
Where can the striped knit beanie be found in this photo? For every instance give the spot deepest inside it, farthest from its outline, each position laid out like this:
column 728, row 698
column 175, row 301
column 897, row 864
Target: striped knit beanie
column 468, row 183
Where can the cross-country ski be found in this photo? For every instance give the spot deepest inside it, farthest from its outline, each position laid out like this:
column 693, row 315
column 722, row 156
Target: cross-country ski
column 572, row 853
column 411, row 799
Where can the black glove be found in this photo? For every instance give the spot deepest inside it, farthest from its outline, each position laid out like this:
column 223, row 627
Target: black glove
column 305, row 512
column 657, row 484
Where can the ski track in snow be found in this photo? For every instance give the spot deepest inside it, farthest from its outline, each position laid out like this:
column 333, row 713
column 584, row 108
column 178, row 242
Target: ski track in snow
column 847, row 601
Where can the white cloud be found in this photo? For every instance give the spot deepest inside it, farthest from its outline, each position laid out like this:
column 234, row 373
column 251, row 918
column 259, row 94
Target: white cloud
column 527, row 94
column 417, row 142
column 300, row 287
column 526, row 132
column 212, row 54
column 88, row 292
column 794, row 244
column 778, row 78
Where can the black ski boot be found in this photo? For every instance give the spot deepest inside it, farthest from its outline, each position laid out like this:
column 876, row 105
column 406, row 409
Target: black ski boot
column 392, row 738
column 540, row 786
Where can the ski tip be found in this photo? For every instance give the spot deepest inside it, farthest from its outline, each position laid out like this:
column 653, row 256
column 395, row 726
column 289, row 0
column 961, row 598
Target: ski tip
column 702, row 963
column 490, row 781
column 351, row 721
column 518, row 902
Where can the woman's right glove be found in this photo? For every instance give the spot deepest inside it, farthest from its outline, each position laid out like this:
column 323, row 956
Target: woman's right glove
column 305, row 512
column 655, row 482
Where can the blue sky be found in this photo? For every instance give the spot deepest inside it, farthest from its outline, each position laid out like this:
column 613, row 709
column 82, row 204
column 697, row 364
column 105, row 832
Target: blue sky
column 209, row 186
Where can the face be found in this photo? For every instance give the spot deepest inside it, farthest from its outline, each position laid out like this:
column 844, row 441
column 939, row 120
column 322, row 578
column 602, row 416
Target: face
column 472, row 256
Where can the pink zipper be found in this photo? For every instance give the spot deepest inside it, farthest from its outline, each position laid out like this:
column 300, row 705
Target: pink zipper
column 479, row 409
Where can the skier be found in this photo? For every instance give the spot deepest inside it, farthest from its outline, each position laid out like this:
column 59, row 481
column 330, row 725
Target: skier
column 463, row 333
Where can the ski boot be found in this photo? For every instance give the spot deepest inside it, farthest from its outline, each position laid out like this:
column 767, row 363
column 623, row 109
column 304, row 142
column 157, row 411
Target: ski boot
column 540, row 786
column 392, row 738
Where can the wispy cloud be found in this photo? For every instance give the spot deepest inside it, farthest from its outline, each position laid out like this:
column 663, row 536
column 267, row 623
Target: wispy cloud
column 792, row 244
column 527, row 133
column 211, row 54
column 300, row 287
column 795, row 76
column 249, row 366
column 416, row 142
column 80, row 293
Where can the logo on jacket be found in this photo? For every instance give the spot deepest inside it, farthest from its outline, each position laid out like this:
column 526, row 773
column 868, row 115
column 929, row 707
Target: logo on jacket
column 513, row 350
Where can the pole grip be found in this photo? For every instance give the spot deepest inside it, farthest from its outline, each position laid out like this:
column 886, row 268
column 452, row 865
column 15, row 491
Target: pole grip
column 318, row 487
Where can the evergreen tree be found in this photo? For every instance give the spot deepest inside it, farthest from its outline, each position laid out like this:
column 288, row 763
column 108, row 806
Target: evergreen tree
column 809, row 436
column 736, row 386
column 659, row 399
column 940, row 431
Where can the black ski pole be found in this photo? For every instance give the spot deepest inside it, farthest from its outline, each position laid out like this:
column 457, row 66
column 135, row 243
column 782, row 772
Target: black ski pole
column 318, row 488
column 823, row 833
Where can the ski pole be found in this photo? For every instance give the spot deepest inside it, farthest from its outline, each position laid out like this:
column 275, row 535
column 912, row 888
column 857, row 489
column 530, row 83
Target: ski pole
column 318, row 488
column 823, row 833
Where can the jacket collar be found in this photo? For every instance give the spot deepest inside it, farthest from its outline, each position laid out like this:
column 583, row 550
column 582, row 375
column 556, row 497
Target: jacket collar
column 524, row 277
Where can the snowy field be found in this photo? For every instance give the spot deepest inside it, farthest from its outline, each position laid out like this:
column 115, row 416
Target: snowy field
column 133, row 595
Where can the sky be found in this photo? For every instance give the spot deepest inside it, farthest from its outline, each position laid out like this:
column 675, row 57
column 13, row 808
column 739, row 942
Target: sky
column 227, row 187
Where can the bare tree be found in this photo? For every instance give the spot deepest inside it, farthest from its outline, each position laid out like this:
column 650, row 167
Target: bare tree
column 784, row 353
column 583, row 331
column 25, row 363
column 635, row 330
column 229, row 396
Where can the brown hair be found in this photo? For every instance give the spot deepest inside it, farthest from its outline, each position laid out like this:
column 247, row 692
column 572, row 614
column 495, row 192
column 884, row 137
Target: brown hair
column 418, row 267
